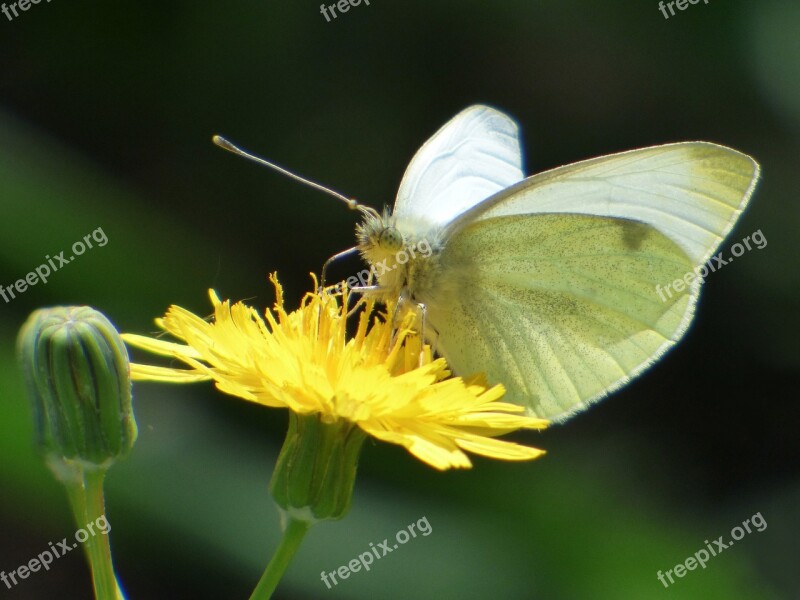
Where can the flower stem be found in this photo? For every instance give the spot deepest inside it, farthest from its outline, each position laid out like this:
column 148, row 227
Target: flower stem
column 88, row 506
column 292, row 537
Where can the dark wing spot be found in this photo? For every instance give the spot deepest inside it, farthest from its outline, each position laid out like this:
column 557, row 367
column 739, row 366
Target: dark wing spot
column 634, row 234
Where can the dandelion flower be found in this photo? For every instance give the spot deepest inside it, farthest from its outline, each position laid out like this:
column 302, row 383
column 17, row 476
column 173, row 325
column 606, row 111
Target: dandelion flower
column 382, row 380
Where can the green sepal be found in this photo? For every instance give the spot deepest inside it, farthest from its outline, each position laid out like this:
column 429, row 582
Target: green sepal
column 316, row 470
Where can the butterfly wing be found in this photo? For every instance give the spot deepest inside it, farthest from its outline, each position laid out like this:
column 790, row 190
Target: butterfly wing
column 563, row 308
column 473, row 156
column 693, row 192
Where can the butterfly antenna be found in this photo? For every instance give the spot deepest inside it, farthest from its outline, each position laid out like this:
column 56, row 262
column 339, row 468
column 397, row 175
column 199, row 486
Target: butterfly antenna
column 226, row 145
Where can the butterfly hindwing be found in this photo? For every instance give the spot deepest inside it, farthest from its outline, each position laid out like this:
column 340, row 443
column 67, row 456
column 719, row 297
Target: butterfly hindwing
column 560, row 308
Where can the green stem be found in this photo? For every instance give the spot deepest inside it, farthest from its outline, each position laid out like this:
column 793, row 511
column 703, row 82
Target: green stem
column 292, row 537
column 88, row 505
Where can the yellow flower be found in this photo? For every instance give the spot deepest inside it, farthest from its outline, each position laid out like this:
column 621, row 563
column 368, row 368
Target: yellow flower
column 383, row 380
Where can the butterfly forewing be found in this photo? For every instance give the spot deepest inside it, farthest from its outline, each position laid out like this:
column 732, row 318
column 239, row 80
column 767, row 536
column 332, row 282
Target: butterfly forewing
column 473, row 156
column 693, row 192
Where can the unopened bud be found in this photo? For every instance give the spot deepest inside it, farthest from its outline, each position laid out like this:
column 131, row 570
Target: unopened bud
column 77, row 374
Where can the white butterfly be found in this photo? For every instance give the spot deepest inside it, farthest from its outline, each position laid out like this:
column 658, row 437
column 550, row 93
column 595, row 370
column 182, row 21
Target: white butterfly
column 548, row 284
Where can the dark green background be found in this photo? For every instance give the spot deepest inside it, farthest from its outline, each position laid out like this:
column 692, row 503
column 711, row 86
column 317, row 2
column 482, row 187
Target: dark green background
column 106, row 114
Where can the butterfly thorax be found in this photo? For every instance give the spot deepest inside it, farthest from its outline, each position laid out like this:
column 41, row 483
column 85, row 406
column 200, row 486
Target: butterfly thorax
column 403, row 264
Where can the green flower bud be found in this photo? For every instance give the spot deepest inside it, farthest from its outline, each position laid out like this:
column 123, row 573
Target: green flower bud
column 77, row 374
column 316, row 470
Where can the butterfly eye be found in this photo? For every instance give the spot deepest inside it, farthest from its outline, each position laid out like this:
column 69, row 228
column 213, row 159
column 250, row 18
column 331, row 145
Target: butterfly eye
column 390, row 239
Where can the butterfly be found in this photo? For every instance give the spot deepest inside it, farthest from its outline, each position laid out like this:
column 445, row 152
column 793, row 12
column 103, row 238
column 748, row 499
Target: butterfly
column 549, row 284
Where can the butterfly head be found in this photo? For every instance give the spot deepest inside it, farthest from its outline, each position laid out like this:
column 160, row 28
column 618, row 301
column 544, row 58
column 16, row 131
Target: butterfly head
column 377, row 236
column 403, row 264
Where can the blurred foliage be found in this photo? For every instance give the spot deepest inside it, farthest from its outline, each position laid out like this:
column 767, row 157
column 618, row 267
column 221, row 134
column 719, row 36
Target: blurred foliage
column 106, row 115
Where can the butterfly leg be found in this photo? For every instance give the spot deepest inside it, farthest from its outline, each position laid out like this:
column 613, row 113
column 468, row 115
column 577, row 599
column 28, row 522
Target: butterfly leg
column 395, row 314
column 423, row 317
column 420, row 332
column 336, row 256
